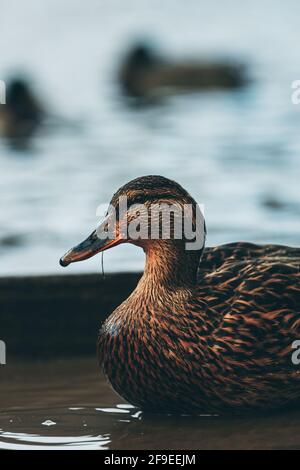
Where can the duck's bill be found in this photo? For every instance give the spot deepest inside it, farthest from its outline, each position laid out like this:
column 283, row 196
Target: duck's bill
column 88, row 248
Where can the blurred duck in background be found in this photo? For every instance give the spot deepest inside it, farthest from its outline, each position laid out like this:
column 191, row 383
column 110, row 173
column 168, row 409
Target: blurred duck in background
column 22, row 114
column 145, row 74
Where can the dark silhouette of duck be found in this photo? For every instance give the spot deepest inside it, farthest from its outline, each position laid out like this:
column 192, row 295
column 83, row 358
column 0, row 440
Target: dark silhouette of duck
column 144, row 74
column 22, row 113
column 199, row 337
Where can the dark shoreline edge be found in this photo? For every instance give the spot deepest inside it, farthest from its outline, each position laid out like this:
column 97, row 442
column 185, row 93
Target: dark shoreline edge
column 58, row 316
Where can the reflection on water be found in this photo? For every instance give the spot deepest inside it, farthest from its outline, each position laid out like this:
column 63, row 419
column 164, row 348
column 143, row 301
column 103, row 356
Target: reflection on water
column 232, row 150
column 23, row 441
column 126, row 428
column 68, row 405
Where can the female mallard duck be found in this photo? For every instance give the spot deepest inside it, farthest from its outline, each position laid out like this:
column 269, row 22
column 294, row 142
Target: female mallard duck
column 210, row 338
column 144, row 74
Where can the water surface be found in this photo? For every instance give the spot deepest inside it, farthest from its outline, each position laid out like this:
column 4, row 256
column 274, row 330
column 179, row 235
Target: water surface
column 68, row 405
column 236, row 152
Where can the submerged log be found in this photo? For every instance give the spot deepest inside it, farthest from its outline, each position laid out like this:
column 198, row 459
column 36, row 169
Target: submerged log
column 58, row 316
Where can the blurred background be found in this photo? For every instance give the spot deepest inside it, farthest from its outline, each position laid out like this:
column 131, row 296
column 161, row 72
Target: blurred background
column 234, row 148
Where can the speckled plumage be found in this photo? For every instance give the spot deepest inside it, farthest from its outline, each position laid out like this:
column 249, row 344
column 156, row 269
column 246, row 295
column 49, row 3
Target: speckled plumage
column 213, row 339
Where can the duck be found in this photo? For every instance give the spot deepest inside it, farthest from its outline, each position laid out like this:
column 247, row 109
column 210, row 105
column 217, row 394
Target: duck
column 145, row 74
column 22, row 114
column 207, row 329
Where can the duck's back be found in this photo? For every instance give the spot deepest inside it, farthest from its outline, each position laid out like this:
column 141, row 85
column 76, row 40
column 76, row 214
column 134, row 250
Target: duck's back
column 254, row 292
column 215, row 257
column 266, row 276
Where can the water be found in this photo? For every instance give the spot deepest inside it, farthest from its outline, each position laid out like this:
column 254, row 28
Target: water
column 68, row 405
column 238, row 153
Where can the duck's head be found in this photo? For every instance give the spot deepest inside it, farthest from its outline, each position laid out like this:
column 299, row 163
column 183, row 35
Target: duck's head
column 141, row 55
column 151, row 212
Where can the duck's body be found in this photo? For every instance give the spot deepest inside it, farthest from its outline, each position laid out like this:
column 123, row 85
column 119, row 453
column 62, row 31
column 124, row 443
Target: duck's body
column 223, row 344
column 21, row 115
column 214, row 339
column 146, row 75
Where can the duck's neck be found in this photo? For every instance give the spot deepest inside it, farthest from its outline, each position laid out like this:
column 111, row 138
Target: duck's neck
column 170, row 266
